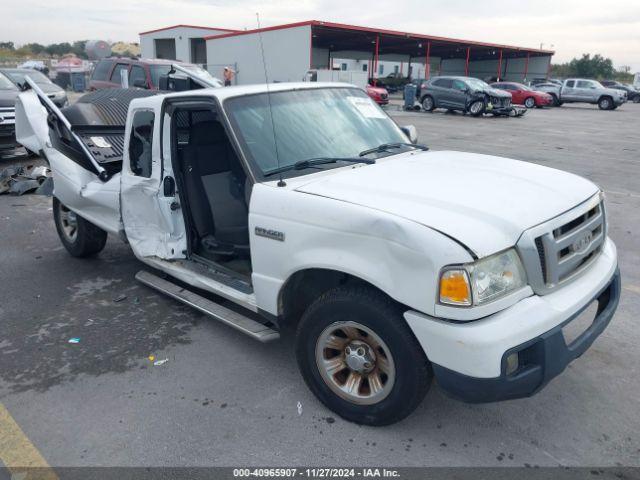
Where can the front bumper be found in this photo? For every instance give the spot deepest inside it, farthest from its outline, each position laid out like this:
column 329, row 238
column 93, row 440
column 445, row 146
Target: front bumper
column 469, row 359
column 8, row 136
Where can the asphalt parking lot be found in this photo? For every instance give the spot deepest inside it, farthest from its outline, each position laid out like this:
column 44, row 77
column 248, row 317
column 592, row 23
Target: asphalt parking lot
column 223, row 399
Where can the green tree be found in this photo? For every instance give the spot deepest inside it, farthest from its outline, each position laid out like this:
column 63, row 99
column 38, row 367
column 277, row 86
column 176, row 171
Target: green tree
column 7, row 46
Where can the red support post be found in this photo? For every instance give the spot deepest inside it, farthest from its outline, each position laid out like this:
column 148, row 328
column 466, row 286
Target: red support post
column 466, row 65
column 500, row 66
column 375, row 66
column 427, row 65
column 526, row 68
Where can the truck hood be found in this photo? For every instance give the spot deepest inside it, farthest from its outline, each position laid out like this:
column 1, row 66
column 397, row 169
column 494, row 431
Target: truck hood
column 482, row 201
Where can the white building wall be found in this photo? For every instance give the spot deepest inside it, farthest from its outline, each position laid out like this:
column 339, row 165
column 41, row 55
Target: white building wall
column 181, row 35
column 287, row 55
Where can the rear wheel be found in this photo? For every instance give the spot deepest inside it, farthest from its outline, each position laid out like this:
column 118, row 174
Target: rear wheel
column 428, row 104
column 80, row 237
column 529, row 102
column 359, row 357
column 636, row 99
column 605, row 103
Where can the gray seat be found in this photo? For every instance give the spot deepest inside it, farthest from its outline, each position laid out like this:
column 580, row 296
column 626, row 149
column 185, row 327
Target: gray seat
column 215, row 187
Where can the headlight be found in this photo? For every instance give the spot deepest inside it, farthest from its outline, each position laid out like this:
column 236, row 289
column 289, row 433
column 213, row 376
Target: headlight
column 482, row 281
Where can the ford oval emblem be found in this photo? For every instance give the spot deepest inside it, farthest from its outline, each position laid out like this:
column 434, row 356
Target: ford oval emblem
column 583, row 243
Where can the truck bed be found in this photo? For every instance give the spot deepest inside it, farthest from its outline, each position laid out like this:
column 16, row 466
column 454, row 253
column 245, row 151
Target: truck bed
column 98, row 119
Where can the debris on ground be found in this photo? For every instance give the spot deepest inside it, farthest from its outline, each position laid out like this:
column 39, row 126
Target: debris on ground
column 157, row 363
column 74, row 340
column 120, row 298
column 152, row 358
column 299, row 408
column 19, row 180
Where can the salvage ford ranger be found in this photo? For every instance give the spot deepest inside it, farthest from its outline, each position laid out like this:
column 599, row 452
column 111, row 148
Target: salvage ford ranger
column 309, row 208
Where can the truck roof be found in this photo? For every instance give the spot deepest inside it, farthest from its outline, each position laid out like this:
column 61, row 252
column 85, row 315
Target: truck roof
column 240, row 91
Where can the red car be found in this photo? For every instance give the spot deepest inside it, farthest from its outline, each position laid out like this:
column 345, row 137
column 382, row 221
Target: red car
column 378, row 94
column 523, row 95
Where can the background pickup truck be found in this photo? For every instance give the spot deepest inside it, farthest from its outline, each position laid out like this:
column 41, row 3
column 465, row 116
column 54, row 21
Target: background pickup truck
column 393, row 264
column 581, row 90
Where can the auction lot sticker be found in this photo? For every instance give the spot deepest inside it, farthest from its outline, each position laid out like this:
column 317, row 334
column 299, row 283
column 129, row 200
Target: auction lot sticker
column 366, row 107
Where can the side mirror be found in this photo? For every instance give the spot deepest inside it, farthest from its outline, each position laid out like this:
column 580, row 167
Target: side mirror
column 411, row 133
column 140, row 83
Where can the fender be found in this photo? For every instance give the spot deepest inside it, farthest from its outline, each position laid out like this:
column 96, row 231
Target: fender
column 320, row 232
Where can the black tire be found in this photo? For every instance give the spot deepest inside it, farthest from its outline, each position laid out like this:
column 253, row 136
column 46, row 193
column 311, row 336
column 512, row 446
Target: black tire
column 556, row 102
column 371, row 309
column 88, row 240
column 605, row 103
column 428, row 103
column 636, row 99
column 474, row 105
column 529, row 102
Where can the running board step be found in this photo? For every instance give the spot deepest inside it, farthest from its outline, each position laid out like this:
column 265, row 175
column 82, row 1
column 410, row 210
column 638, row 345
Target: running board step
column 255, row 330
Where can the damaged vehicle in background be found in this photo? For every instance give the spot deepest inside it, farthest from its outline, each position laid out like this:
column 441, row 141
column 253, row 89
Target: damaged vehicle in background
column 8, row 95
column 56, row 93
column 394, row 264
column 467, row 95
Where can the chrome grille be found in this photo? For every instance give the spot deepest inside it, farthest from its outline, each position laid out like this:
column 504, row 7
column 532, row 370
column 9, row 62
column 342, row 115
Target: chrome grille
column 561, row 248
column 7, row 115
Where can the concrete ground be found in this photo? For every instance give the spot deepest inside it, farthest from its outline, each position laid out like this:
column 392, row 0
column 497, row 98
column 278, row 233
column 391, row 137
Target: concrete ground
column 222, row 399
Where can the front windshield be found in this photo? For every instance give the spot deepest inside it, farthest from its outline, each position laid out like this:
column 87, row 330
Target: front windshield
column 35, row 76
column 200, row 72
column 476, row 83
column 5, row 83
column 308, row 124
column 157, row 71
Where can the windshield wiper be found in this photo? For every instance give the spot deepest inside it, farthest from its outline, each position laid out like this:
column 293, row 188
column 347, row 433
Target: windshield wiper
column 302, row 164
column 386, row 147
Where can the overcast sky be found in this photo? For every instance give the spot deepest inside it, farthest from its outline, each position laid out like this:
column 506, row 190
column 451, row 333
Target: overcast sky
column 571, row 27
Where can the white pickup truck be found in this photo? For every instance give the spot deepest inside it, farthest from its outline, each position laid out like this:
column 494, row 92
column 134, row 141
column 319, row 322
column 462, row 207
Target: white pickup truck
column 308, row 207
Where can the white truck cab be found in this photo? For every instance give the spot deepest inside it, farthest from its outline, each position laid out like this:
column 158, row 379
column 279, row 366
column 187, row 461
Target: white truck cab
column 307, row 206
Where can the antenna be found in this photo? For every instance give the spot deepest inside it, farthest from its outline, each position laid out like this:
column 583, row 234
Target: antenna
column 281, row 183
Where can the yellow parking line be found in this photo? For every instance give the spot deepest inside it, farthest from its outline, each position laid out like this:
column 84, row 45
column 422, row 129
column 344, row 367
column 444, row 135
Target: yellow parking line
column 632, row 288
column 18, row 454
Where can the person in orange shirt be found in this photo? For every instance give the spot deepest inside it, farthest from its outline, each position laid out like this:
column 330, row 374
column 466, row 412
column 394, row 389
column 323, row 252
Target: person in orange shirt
column 228, row 75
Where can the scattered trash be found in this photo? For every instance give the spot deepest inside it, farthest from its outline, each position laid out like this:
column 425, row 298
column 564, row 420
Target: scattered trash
column 299, row 408
column 157, row 363
column 152, row 358
column 24, row 179
column 120, row 298
column 74, row 340
column 46, row 187
column 136, row 301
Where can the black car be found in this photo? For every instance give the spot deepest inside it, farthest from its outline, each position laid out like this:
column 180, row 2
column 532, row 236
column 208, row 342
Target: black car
column 633, row 95
column 8, row 94
column 53, row 91
column 465, row 94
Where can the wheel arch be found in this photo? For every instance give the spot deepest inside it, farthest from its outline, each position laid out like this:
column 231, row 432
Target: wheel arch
column 304, row 286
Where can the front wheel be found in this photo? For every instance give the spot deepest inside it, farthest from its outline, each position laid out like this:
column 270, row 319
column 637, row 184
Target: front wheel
column 359, row 357
column 529, row 102
column 605, row 103
column 476, row 108
column 80, row 237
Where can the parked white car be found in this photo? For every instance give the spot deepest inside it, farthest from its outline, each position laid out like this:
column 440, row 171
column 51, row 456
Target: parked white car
column 307, row 206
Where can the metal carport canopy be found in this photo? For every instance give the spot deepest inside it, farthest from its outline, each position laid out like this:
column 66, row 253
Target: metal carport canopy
column 419, row 47
column 338, row 37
